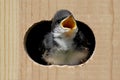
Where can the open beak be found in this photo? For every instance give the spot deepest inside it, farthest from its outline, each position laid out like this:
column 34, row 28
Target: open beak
column 69, row 23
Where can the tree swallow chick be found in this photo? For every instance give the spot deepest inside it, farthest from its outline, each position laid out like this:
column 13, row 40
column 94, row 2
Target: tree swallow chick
column 65, row 44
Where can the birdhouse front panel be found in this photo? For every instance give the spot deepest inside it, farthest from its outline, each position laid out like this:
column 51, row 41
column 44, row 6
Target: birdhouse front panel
column 39, row 39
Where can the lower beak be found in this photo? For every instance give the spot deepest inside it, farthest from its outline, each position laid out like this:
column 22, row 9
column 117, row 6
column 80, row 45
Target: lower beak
column 69, row 23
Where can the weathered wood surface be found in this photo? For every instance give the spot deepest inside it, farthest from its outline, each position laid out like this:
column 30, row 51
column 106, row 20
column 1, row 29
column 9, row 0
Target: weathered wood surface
column 16, row 16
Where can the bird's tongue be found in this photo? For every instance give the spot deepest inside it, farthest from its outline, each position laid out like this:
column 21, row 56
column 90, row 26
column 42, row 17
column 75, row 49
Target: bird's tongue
column 69, row 23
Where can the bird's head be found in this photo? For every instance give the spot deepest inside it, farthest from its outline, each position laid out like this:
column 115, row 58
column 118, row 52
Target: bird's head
column 64, row 24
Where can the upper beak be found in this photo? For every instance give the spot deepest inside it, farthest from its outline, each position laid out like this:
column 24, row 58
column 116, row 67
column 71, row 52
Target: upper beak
column 69, row 22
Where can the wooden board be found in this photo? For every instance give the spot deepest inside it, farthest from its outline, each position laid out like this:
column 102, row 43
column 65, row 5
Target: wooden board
column 16, row 17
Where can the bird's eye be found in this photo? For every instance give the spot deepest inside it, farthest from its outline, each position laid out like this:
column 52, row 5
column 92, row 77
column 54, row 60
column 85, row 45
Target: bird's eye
column 58, row 21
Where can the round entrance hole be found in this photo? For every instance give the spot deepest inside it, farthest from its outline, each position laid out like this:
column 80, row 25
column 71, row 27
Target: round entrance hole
column 34, row 38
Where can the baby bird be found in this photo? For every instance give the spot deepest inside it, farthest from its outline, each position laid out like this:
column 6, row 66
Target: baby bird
column 65, row 44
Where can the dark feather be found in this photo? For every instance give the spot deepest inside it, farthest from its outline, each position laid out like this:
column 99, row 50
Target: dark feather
column 85, row 38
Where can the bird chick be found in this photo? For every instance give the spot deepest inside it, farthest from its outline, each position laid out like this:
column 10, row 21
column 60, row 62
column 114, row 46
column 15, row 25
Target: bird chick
column 65, row 44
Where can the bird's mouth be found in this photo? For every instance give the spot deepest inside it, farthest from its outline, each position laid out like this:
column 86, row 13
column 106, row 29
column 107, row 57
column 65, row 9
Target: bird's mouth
column 69, row 23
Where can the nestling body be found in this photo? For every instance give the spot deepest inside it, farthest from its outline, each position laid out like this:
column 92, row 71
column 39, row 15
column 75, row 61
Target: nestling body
column 61, row 44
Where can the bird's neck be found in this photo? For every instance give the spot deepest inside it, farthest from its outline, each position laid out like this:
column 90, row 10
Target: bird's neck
column 64, row 44
column 64, row 39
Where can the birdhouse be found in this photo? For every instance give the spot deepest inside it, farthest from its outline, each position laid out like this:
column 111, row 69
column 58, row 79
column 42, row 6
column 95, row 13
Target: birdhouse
column 19, row 62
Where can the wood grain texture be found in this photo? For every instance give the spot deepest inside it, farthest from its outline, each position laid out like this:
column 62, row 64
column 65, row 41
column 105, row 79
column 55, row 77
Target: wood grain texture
column 9, row 40
column 16, row 17
column 116, row 40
